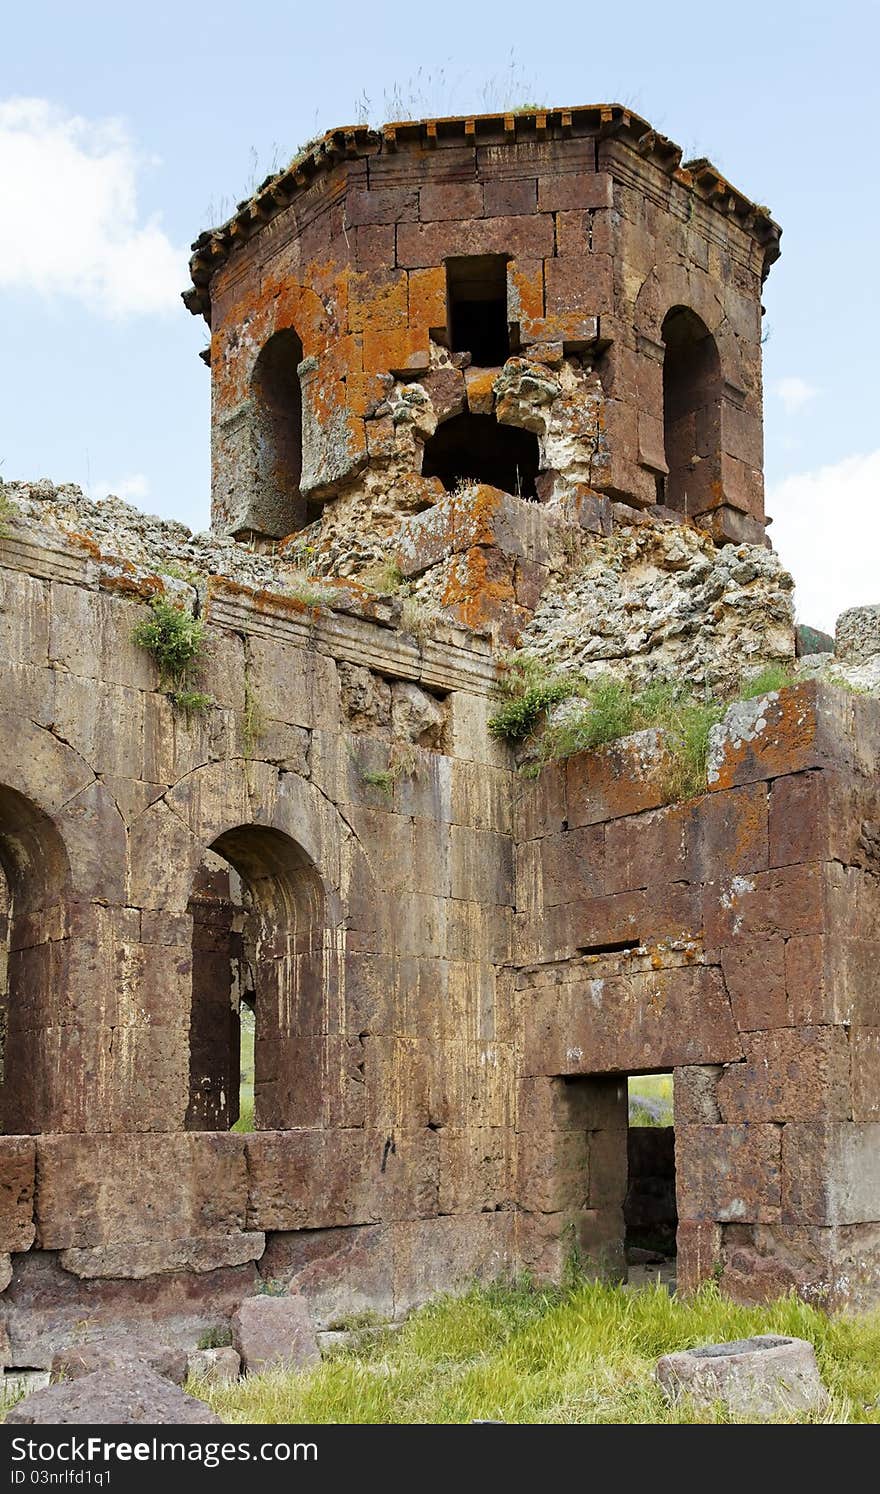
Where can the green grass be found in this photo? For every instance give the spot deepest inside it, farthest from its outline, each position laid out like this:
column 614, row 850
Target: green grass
column 175, row 640
column 515, row 1354
column 608, row 709
column 526, row 689
column 245, row 1120
column 650, row 1100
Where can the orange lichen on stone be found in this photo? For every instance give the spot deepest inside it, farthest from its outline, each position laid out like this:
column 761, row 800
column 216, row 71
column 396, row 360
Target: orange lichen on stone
column 427, row 297
column 377, row 300
column 398, row 351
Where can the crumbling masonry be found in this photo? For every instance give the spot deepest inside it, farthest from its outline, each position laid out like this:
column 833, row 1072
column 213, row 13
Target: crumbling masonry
column 504, row 360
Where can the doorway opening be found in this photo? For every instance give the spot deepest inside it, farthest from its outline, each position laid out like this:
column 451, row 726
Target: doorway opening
column 649, row 1211
column 476, row 297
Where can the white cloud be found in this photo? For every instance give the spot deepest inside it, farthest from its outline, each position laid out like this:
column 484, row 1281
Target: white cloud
column 133, row 488
column 70, row 223
column 827, row 531
column 794, row 393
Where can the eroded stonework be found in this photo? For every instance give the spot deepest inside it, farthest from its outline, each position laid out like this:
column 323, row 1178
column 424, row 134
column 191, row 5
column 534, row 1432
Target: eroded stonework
column 451, row 970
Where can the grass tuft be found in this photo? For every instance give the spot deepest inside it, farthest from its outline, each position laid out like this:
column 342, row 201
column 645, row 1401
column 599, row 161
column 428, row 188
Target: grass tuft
column 765, row 682
column 175, row 640
column 526, row 689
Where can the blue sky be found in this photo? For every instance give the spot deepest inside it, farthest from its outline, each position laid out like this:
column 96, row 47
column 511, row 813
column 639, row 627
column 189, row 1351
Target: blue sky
column 125, row 130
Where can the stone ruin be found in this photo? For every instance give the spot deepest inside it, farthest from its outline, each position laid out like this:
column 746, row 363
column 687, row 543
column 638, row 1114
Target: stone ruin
column 477, row 382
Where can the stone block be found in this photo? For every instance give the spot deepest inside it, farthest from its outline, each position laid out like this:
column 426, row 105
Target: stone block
column 214, row 1366
column 695, row 1095
column 661, row 1019
column 788, row 731
column 275, row 1333
column 17, row 1163
column 120, row 1351
column 112, row 1190
column 553, row 1171
column 729, row 1173
column 756, row 1379
column 790, row 1074
column 831, row 1173
column 337, row 1271
column 449, row 1253
column 621, row 779
column 698, row 1254
column 131, row 1395
column 857, row 634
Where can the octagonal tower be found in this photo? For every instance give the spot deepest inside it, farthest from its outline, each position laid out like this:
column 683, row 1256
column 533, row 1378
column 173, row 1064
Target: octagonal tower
column 547, row 301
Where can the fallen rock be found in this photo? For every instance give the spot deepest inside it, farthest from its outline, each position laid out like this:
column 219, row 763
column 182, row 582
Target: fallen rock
column 214, row 1366
column 757, row 1378
column 117, row 1352
column 130, row 1395
column 275, row 1333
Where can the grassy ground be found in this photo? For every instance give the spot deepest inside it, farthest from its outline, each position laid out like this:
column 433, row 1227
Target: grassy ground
column 245, row 1120
column 650, row 1100
column 518, row 1355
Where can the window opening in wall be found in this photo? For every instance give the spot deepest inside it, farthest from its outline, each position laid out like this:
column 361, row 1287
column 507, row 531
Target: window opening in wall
column 476, row 448
column 476, row 294
column 257, row 1011
column 691, row 411
column 650, row 1214
column 278, row 434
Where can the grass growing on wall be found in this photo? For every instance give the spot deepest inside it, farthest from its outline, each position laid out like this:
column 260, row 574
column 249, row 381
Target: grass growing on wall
column 582, row 1355
column 605, row 709
column 175, row 640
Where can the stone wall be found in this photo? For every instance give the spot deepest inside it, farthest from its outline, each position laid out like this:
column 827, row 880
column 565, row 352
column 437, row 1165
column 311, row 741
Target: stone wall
column 731, row 939
column 453, row 969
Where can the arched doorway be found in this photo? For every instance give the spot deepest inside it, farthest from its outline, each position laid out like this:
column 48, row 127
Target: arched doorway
column 691, row 411
column 257, row 986
column 33, row 876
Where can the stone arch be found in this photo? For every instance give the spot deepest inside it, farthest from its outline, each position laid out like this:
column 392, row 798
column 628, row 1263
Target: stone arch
column 258, row 914
column 691, row 412
column 277, row 435
column 170, row 838
column 306, row 877
column 671, row 284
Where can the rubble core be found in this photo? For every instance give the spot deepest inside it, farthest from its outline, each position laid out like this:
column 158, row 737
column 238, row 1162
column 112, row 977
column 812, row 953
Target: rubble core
column 665, row 603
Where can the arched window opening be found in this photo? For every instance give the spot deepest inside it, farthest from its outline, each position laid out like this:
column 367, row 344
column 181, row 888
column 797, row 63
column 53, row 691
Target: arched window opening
column 33, row 876
column 476, row 448
column 257, row 985
column 476, row 298
column 278, row 507
column 691, row 412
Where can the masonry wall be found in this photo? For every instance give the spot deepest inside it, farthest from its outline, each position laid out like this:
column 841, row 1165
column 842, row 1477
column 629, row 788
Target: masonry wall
column 751, row 916
column 456, row 970
column 390, row 1037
